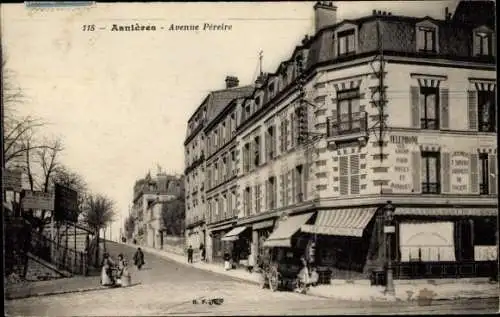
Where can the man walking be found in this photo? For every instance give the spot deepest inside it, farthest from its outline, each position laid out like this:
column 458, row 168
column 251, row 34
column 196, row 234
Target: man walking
column 190, row 254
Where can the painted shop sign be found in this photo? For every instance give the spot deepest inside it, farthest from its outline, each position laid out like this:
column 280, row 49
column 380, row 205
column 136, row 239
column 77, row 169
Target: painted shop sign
column 402, row 178
column 459, row 172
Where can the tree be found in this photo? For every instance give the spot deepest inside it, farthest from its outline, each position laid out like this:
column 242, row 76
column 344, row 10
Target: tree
column 64, row 176
column 99, row 211
column 173, row 214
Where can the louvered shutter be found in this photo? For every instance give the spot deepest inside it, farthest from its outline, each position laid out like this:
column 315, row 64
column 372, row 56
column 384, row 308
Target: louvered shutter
column 287, row 132
column 446, row 176
column 472, row 109
column 293, row 190
column 344, row 175
column 292, row 130
column 415, row 107
column 267, row 142
column 305, row 172
column 492, row 164
column 474, row 173
column 282, row 135
column 289, row 199
column 445, row 116
column 282, row 190
column 354, row 172
column 268, row 195
column 416, row 170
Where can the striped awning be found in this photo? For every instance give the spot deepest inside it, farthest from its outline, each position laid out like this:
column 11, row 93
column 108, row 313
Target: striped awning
column 233, row 234
column 341, row 222
column 282, row 236
column 479, row 212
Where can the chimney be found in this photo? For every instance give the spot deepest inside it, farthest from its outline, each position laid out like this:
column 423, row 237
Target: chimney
column 374, row 12
column 231, row 82
column 325, row 14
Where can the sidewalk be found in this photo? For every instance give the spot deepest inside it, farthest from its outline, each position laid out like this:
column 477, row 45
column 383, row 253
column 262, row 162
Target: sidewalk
column 421, row 291
column 53, row 287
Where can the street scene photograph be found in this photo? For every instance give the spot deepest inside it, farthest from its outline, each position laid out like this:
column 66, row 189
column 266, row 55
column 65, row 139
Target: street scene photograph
column 249, row 158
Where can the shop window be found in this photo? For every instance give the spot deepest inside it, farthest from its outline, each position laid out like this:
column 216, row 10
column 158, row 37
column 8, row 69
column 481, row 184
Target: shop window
column 430, row 173
column 485, row 231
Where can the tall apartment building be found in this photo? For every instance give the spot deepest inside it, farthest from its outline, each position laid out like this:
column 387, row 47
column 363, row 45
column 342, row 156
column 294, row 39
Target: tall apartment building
column 149, row 194
column 204, row 140
column 370, row 110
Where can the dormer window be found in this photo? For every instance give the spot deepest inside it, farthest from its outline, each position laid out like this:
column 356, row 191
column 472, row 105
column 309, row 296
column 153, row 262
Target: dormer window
column 426, row 39
column 482, row 44
column 271, row 89
column 346, row 42
column 257, row 101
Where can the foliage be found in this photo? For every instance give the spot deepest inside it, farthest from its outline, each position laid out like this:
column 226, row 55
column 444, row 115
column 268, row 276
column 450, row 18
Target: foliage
column 129, row 226
column 173, row 213
column 99, row 211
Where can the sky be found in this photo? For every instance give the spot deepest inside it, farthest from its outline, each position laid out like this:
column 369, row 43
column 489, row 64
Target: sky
column 120, row 101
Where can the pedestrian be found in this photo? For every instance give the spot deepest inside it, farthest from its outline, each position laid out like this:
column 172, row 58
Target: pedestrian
column 139, row 258
column 190, row 254
column 106, row 273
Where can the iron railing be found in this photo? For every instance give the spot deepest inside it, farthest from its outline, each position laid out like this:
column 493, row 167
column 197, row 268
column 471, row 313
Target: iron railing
column 423, row 270
column 347, row 124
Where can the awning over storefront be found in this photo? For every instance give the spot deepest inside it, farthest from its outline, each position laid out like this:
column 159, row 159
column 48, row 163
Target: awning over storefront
column 342, row 222
column 233, row 234
column 468, row 212
column 263, row 225
column 281, row 237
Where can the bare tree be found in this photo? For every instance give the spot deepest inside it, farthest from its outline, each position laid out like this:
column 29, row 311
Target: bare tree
column 64, row 176
column 98, row 213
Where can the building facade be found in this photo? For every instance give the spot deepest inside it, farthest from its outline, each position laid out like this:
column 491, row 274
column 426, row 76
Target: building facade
column 210, row 130
column 149, row 195
column 366, row 111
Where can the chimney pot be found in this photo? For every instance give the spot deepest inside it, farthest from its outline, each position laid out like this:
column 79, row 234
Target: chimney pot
column 389, row 13
column 374, row 12
column 379, row 12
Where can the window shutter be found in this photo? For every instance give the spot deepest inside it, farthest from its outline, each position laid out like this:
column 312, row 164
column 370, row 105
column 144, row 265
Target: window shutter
column 282, row 136
column 415, row 163
column 446, row 176
column 268, row 195
column 306, row 181
column 415, row 106
column 354, row 171
column 288, row 188
column 282, row 190
column 292, row 130
column 472, row 109
column 344, row 175
column 268, row 146
column 293, row 193
column 287, row 132
column 492, row 164
column 445, row 116
column 474, row 173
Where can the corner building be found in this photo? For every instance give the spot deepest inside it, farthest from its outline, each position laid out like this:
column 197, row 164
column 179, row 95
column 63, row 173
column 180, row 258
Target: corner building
column 434, row 158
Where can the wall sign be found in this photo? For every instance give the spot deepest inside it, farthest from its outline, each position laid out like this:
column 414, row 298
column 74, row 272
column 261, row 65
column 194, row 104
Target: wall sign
column 459, row 172
column 402, row 178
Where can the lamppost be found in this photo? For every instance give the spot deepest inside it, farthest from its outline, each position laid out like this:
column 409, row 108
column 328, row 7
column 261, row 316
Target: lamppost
column 389, row 229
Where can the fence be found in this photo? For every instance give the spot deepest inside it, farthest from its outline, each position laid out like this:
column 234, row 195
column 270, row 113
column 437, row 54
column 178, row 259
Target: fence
column 59, row 255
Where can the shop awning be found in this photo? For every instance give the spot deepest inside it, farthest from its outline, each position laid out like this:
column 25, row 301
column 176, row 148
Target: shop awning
column 263, row 225
column 467, row 212
column 233, row 234
column 342, row 222
column 281, row 237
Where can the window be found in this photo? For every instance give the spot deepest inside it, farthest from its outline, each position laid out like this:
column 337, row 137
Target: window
column 348, row 117
column 429, row 108
column 270, row 143
column 257, row 102
column 486, row 110
column 483, row 174
column 246, row 157
column 426, row 39
column 430, row 173
column 483, row 44
column 257, row 151
column 300, row 183
column 258, row 194
column 248, row 201
column 271, row 89
column 346, row 43
column 271, row 193
column 283, row 137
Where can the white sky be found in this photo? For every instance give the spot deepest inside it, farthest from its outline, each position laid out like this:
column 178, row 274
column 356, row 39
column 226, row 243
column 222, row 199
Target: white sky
column 121, row 100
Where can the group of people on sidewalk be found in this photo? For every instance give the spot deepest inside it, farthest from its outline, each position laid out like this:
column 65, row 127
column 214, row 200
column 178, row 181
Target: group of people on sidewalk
column 190, row 252
column 117, row 274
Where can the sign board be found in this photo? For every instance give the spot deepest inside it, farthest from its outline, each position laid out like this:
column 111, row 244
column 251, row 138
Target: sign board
column 37, row 200
column 389, row 229
column 65, row 203
column 12, row 180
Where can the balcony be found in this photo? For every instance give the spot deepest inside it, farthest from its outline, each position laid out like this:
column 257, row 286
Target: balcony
column 347, row 127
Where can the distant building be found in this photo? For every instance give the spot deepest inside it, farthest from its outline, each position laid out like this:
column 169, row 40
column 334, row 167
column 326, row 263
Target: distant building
column 149, row 194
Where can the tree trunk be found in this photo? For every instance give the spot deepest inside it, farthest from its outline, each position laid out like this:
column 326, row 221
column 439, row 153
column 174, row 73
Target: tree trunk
column 97, row 248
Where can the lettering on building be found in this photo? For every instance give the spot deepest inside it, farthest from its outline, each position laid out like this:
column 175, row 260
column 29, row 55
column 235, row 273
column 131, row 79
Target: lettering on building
column 401, row 179
column 459, row 172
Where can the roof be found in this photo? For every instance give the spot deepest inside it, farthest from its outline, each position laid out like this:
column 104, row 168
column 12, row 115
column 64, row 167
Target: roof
column 219, row 99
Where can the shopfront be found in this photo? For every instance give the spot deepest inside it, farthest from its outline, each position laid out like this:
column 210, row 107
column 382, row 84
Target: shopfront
column 217, row 247
column 240, row 239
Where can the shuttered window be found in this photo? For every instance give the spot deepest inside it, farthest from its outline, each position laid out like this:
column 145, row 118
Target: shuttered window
column 344, row 175
column 287, row 139
column 354, row 171
column 446, row 172
column 282, row 190
column 472, row 109
column 415, row 107
column 288, row 186
column 282, row 137
column 258, row 198
column 415, row 162
column 293, row 198
column 445, row 115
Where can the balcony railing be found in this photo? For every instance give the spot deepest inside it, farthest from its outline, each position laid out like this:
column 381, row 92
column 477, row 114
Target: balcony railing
column 345, row 124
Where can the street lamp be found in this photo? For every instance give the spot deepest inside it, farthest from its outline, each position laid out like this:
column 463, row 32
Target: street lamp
column 389, row 229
